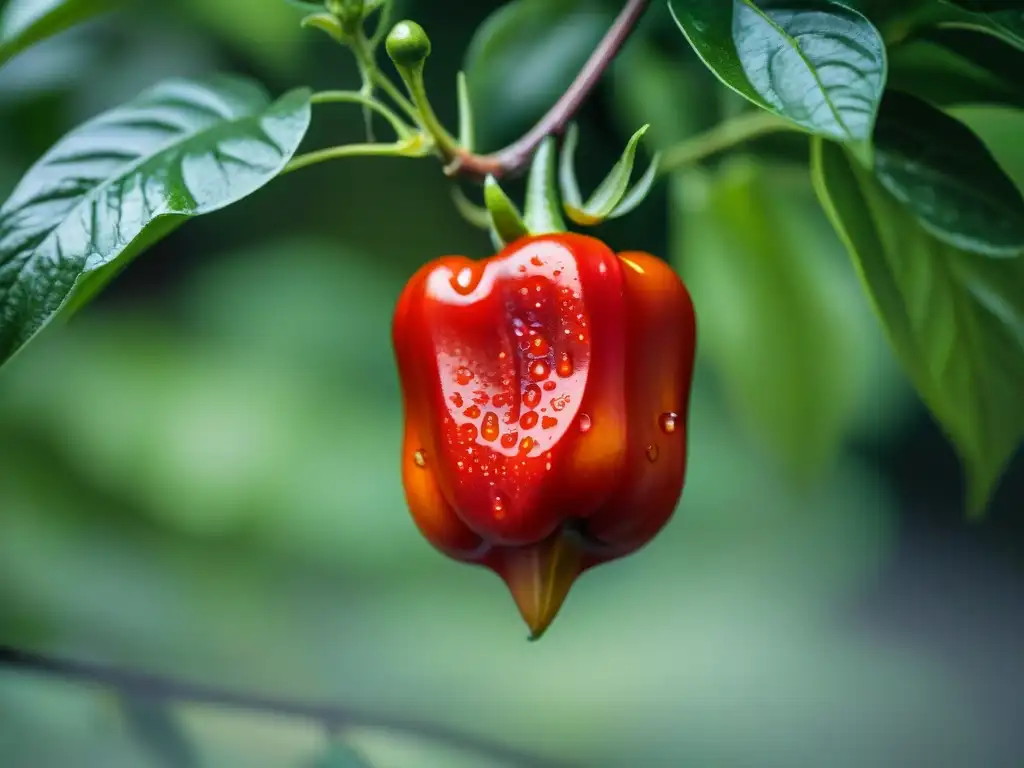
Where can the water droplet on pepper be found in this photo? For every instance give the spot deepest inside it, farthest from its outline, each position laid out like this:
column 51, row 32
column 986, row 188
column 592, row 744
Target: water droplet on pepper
column 531, row 396
column 489, row 431
column 668, row 422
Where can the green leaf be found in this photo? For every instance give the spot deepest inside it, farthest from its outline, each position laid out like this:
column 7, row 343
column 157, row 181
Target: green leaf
column 156, row 728
column 935, row 166
column 1000, row 20
column 24, row 23
column 543, row 213
column 955, row 319
column 984, row 6
column 950, row 66
column 118, row 183
column 820, row 64
column 1000, row 128
column 524, row 56
column 768, row 278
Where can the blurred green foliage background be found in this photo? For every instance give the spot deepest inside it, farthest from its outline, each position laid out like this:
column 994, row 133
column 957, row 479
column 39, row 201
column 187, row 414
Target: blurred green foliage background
column 199, row 476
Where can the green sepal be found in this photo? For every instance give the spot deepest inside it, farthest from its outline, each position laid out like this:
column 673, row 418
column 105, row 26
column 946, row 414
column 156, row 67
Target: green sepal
column 570, row 188
column 612, row 197
column 543, row 214
column 325, row 22
column 476, row 215
column 640, row 190
column 467, row 131
column 506, row 221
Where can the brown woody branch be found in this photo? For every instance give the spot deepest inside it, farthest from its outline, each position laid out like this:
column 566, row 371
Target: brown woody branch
column 516, row 156
column 144, row 685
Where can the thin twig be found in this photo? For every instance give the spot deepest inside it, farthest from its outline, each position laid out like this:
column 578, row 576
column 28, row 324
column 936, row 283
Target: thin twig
column 516, row 156
column 154, row 687
column 725, row 135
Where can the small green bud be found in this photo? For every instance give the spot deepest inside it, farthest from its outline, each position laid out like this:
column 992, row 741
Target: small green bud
column 408, row 45
column 349, row 14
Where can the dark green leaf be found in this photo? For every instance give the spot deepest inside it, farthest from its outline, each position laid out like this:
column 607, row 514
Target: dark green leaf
column 115, row 185
column 955, row 319
column 986, row 6
column 1008, row 25
column 24, row 23
column 776, row 326
column 524, row 56
column 947, row 178
column 158, row 730
column 820, row 64
column 950, row 66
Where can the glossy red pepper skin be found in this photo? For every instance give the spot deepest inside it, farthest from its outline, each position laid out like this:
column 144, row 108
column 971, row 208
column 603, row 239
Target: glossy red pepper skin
column 546, row 392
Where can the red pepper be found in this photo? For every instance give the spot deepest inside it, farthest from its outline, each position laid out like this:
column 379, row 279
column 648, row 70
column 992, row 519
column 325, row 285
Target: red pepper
column 546, row 392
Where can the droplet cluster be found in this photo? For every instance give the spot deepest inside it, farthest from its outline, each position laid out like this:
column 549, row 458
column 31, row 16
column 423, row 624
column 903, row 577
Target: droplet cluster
column 513, row 387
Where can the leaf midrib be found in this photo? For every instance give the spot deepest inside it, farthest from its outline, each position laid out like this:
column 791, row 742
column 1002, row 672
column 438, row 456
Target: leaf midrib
column 131, row 168
column 810, row 67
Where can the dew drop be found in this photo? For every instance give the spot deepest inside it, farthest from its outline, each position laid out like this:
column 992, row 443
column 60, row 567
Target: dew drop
column 668, row 422
column 420, row 459
column 565, row 365
column 548, row 422
column 652, row 452
column 526, row 445
column 540, row 371
column 560, row 403
column 509, row 439
column 499, row 400
column 463, row 375
column 550, row 386
column 481, row 397
column 468, row 431
column 456, row 400
column 585, row 423
column 529, row 420
column 536, row 261
column 489, row 430
column 498, row 506
column 531, row 396
column 472, row 412
column 539, row 346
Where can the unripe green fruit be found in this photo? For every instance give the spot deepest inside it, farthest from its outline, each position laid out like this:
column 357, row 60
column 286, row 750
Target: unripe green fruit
column 407, row 44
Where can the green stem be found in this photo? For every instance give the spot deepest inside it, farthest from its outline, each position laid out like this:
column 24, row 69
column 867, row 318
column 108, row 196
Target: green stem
column 723, row 136
column 444, row 141
column 383, row 25
column 361, row 50
column 408, row 148
column 355, row 97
